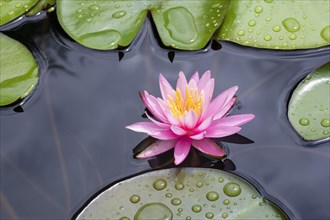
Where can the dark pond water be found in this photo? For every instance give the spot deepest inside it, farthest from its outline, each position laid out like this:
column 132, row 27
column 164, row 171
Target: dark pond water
column 71, row 140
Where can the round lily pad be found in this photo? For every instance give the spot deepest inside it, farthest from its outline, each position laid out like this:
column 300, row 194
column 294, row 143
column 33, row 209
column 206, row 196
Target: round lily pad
column 188, row 25
column 309, row 105
column 100, row 24
column 18, row 71
column 181, row 193
column 275, row 24
column 12, row 9
column 105, row 25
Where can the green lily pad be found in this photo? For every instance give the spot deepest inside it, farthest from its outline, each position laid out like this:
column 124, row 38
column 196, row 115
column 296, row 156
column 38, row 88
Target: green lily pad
column 181, row 193
column 188, row 25
column 309, row 105
column 295, row 24
column 106, row 25
column 12, row 9
column 18, row 71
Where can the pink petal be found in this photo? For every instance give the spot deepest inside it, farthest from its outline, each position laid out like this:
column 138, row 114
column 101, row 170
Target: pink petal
column 182, row 83
column 157, row 148
column 195, row 77
column 163, row 135
column 209, row 88
column 152, row 104
column 225, row 109
column 189, row 120
column 205, row 124
column 193, row 85
column 172, row 120
column 181, row 150
column 221, row 100
column 221, row 131
column 235, row 120
column 160, row 124
column 199, row 136
column 209, row 147
column 165, row 87
column 203, row 80
column 145, row 127
column 178, row 131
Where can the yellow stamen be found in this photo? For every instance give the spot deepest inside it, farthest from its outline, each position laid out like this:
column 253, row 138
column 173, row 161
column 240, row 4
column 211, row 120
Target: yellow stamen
column 181, row 105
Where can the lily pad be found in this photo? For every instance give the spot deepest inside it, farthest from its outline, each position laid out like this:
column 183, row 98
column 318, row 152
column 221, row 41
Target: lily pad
column 12, row 9
column 275, row 24
column 18, row 71
column 181, row 193
column 188, row 25
column 309, row 106
column 106, row 25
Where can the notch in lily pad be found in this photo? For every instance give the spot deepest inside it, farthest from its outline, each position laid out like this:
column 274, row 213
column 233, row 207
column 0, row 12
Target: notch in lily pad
column 181, row 193
column 308, row 109
column 106, row 25
column 19, row 72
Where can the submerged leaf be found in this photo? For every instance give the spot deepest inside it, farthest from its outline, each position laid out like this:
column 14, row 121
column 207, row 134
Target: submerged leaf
column 309, row 105
column 275, row 24
column 18, row 71
column 105, row 25
column 181, row 193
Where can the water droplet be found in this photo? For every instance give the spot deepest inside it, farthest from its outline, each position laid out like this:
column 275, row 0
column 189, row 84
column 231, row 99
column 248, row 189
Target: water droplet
column 268, row 18
column 94, row 7
column 241, row 33
column 78, row 11
column 179, row 186
column 11, row 13
column 129, row 4
column 268, row 1
column 226, row 202
column 254, row 196
column 154, row 211
column 199, row 184
column 196, row 208
column 180, row 209
column 168, row 195
column 267, row 38
column 252, row 23
column 221, row 179
column 292, row 37
column 159, row 184
column 212, row 196
column 325, row 122
column 180, row 24
column 18, row 5
column 291, row 24
column 124, row 218
column 117, row 6
column 89, row 20
column 325, row 33
column 188, row 218
column 232, row 189
column 224, row 215
column 176, row 201
column 119, row 14
column 304, row 121
column 121, row 208
column 325, row 132
column 313, row 130
column 209, row 215
column 134, row 199
column 81, row 4
column 258, row 9
column 276, row 28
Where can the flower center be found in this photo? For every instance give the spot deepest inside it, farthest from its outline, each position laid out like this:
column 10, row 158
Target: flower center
column 180, row 105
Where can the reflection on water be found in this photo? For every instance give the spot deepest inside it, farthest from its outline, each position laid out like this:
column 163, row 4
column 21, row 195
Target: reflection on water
column 72, row 140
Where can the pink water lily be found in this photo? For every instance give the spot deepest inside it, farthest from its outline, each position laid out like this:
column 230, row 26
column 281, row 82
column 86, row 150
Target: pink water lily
column 187, row 116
